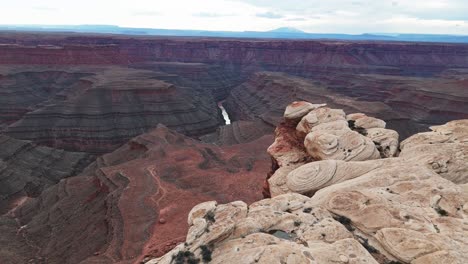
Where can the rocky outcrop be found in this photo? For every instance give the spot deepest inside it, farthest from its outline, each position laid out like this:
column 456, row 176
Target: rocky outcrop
column 27, row 169
column 115, row 105
column 132, row 202
column 411, row 208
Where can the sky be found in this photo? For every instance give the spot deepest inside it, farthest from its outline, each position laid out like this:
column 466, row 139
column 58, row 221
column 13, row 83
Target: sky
column 314, row 16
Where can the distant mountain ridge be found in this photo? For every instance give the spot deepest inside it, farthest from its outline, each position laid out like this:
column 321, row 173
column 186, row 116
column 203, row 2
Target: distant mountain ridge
column 286, row 30
column 279, row 33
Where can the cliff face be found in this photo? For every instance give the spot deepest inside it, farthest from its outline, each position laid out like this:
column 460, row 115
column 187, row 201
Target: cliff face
column 342, row 192
column 272, row 54
column 132, row 202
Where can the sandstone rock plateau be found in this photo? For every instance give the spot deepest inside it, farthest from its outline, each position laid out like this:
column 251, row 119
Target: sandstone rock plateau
column 344, row 194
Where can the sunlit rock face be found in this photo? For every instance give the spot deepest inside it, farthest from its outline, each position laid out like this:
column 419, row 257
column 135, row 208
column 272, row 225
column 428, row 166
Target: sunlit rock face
column 408, row 204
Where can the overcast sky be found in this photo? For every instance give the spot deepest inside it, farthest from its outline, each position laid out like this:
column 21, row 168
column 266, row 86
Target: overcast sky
column 321, row 16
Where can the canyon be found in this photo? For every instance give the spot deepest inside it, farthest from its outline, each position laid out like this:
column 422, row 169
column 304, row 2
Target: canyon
column 107, row 142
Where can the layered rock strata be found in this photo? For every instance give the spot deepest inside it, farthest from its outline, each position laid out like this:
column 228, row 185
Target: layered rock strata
column 27, row 169
column 411, row 208
column 115, row 105
column 406, row 103
column 298, row 56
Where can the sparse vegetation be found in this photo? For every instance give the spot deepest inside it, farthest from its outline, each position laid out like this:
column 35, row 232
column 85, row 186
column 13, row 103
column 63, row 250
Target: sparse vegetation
column 206, row 253
column 232, row 170
column 210, row 217
column 441, row 211
column 344, row 221
column 185, row 257
column 365, row 243
column 250, row 164
column 360, row 130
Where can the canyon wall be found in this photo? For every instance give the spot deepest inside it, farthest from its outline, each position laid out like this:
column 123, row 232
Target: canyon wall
column 203, row 71
column 277, row 55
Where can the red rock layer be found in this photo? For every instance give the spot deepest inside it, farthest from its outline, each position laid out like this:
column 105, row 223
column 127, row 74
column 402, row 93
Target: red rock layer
column 134, row 201
column 280, row 55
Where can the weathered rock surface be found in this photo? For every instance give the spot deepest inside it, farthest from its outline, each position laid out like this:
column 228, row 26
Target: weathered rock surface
column 27, row 169
column 326, row 134
column 412, row 208
column 132, row 202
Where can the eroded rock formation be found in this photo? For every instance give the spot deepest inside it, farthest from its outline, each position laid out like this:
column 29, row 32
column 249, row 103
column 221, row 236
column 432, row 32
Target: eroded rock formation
column 27, row 169
column 132, row 202
column 407, row 104
column 97, row 109
column 408, row 207
column 378, row 78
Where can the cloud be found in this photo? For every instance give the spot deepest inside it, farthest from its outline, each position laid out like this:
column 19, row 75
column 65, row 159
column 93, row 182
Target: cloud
column 331, row 16
column 206, row 14
column 296, row 19
column 270, row 15
column 44, row 8
column 147, row 13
